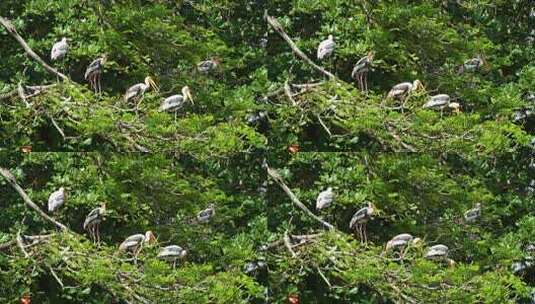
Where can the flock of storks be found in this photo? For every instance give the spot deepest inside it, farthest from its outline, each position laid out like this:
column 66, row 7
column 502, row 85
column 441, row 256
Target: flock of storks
column 399, row 242
column 134, row 243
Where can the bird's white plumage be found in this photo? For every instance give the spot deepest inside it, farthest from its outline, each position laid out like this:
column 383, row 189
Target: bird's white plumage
column 437, row 251
column 132, row 242
column 361, row 216
column 399, row 240
column 325, row 199
column 326, row 47
column 59, row 49
column 135, row 91
column 176, row 102
column 439, row 101
column 172, row 253
column 473, row 214
column 93, row 68
column 362, row 66
column 56, row 199
column 94, row 217
column 205, row 215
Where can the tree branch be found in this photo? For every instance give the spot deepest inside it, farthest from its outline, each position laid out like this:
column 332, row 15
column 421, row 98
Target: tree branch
column 11, row 180
column 278, row 28
column 278, row 179
column 13, row 32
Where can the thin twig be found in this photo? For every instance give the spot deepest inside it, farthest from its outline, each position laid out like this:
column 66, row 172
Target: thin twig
column 288, row 92
column 21, row 245
column 288, row 244
column 56, row 277
column 324, row 126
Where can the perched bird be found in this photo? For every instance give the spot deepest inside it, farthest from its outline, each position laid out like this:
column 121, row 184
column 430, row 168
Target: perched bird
column 205, row 215
column 401, row 241
column 472, row 65
column 522, row 267
column 59, row 49
column 253, row 267
column 206, row 66
column 325, row 199
column 473, row 214
column 361, row 69
column 137, row 91
column 56, row 199
column 530, row 248
column 402, row 90
column 172, row 253
column 437, row 253
column 440, row 102
column 134, row 243
column 93, row 72
column 326, row 48
column 359, row 220
column 176, row 102
column 92, row 222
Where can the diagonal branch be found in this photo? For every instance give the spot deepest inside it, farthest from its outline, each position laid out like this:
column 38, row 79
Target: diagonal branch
column 280, row 30
column 278, row 179
column 13, row 32
column 11, row 180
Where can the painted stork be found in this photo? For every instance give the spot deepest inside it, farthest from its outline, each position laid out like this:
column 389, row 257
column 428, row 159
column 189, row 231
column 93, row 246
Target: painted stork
column 205, row 215
column 326, row 48
column 440, row 102
column 93, row 72
column 473, row 214
column 176, row 102
column 137, row 91
column 208, row 65
column 172, row 253
column 402, row 242
column 56, row 199
column 92, row 222
column 359, row 220
column 59, row 49
column 439, row 253
column 360, row 71
column 472, row 65
column 325, row 199
column 134, row 243
column 402, row 90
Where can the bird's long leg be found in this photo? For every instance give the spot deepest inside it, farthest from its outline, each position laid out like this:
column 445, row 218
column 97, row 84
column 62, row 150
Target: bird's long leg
column 174, row 264
column 365, row 76
column 365, row 234
column 359, row 77
column 99, row 84
column 97, row 231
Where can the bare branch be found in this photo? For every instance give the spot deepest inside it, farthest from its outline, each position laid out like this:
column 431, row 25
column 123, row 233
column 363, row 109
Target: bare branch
column 21, row 245
column 288, row 244
column 278, row 28
column 13, row 32
column 278, row 179
column 11, row 180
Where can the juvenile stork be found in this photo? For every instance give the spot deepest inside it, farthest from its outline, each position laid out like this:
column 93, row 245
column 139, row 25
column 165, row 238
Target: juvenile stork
column 172, row 253
column 401, row 242
column 205, row 215
column 473, row 214
column 56, row 199
column 325, row 199
column 208, row 65
column 472, row 65
column 359, row 220
column 59, row 49
column 136, row 92
column 326, row 48
column 135, row 243
column 92, row 222
column 360, row 71
column 176, row 102
column 93, row 72
column 441, row 102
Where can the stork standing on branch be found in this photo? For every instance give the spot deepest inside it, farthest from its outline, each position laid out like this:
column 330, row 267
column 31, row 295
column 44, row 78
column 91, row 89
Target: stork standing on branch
column 137, row 91
column 439, row 253
column 401, row 242
column 92, row 222
column 56, row 199
column 403, row 90
column 172, row 253
column 361, row 69
column 135, row 243
column 359, row 220
column 441, row 102
column 93, row 72
column 176, row 102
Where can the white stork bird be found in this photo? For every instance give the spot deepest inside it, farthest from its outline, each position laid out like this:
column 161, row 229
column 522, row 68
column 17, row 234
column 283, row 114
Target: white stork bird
column 473, row 214
column 472, row 65
column 93, row 72
column 326, row 48
column 176, row 102
column 135, row 243
column 172, row 253
column 56, row 199
column 59, row 49
column 205, row 215
column 360, row 71
column 440, row 102
column 208, row 65
column 359, row 220
column 137, row 91
column 402, row 90
column 92, row 222
column 401, row 241
column 325, row 199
